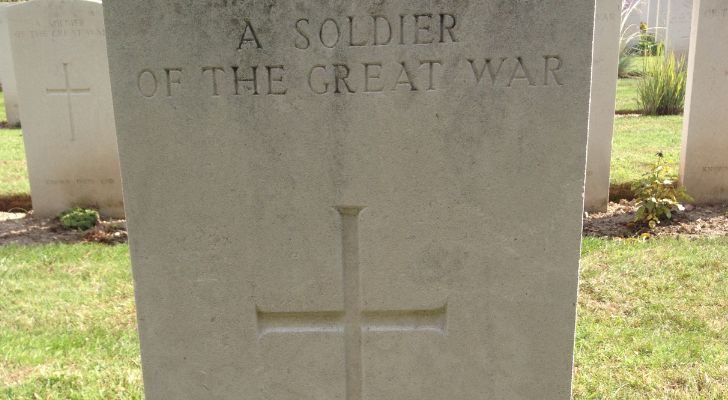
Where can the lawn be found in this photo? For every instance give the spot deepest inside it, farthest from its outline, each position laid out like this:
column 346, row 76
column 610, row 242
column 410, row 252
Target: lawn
column 627, row 96
column 13, row 169
column 67, row 329
column 636, row 141
column 653, row 321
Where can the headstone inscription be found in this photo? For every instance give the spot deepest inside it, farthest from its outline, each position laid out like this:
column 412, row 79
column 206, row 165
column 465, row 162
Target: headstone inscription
column 679, row 18
column 7, row 71
column 59, row 51
column 605, row 65
column 704, row 157
column 334, row 199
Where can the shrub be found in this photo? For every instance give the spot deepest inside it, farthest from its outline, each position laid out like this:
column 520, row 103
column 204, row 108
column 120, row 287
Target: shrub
column 79, row 219
column 658, row 195
column 661, row 91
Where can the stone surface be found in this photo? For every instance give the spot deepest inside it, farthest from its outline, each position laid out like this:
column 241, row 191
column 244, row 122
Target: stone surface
column 376, row 216
column 59, row 50
column 7, row 71
column 704, row 159
column 603, row 97
column 679, row 18
column 657, row 17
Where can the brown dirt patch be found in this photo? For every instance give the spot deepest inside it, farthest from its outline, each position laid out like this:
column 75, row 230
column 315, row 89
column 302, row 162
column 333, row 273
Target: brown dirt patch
column 20, row 228
column 695, row 221
column 15, row 203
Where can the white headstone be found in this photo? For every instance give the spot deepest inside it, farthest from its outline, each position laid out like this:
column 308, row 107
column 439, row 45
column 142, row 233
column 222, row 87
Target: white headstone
column 7, row 71
column 704, row 164
column 353, row 199
column 679, row 17
column 603, row 98
column 59, row 50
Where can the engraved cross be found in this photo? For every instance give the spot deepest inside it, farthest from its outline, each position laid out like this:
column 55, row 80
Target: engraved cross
column 352, row 320
column 68, row 91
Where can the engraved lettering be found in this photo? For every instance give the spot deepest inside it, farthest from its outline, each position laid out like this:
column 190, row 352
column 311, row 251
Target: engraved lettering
column 552, row 69
column 493, row 73
column 427, row 18
column 431, row 72
column 303, row 34
column 401, row 29
column 372, row 71
column 324, row 83
column 330, row 44
column 447, row 27
column 249, row 37
column 407, row 78
column 341, row 74
column 147, row 83
column 174, row 76
column 238, row 80
column 278, row 78
column 524, row 75
column 213, row 75
column 352, row 42
column 382, row 42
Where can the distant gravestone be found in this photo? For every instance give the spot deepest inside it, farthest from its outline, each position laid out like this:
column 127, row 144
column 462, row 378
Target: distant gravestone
column 353, row 200
column 679, row 18
column 603, row 97
column 59, row 51
column 704, row 164
column 7, row 71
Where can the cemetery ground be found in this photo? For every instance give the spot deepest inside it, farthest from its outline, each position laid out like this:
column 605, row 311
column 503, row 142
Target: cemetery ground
column 652, row 314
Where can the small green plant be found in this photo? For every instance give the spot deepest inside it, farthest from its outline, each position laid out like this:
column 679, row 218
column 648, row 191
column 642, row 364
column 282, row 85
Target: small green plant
column 79, row 219
column 658, row 195
column 661, row 91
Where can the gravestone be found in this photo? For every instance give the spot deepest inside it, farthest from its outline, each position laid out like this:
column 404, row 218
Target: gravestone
column 59, row 51
column 679, row 17
column 704, row 157
column 605, row 65
column 7, row 71
column 353, row 200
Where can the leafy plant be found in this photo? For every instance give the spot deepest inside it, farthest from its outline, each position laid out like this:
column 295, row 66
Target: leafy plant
column 623, row 70
column 661, row 91
column 79, row 219
column 658, row 195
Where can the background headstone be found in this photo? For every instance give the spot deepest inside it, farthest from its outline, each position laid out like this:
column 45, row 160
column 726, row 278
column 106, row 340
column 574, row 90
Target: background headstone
column 704, row 160
column 602, row 106
column 61, row 67
column 353, row 200
column 679, row 18
column 7, row 71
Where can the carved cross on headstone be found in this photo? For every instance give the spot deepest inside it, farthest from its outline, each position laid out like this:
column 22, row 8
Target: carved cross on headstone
column 68, row 91
column 352, row 320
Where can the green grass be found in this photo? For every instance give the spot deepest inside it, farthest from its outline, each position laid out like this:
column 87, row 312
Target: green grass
column 627, row 96
column 13, row 168
column 67, row 327
column 653, row 320
column 637, row 140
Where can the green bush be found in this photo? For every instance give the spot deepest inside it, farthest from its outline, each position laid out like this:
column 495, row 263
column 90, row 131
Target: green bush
column 658, row 195
column 661, row 91
column 79, row 219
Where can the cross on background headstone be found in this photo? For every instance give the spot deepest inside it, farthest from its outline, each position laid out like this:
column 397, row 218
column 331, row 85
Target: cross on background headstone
column 68, row 91
column 352, row 320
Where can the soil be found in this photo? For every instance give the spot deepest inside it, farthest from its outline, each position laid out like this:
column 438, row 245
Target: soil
column 22, row 228
column 695, row 221
column 617, row 222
